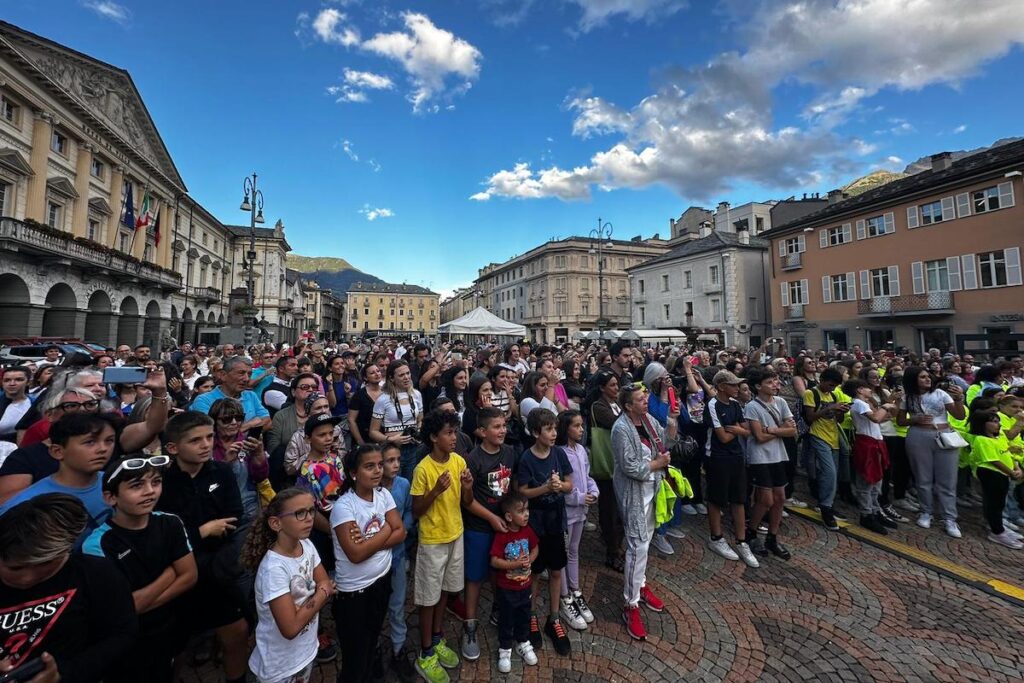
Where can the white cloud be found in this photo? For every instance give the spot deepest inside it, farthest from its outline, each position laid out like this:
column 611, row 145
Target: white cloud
column 960, row 129
column 109, row 10
column 597, row 12
column 374, row 165
column 330, row 27
column 374, row 214
column 367, row 80
column 344, row 93
column 349, row 150
column 711, row 126
column 894, row 160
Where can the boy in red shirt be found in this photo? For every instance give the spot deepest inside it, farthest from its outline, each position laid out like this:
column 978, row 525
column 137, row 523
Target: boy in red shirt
column 512, row 554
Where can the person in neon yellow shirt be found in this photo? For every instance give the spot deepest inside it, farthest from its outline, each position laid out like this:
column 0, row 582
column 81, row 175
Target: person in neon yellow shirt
column 994, row 468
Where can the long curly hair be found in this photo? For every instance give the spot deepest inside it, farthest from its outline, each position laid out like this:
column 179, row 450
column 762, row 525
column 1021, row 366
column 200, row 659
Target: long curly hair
column 261, row 537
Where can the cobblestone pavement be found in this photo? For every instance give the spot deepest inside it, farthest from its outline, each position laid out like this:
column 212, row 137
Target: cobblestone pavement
column 840, row 610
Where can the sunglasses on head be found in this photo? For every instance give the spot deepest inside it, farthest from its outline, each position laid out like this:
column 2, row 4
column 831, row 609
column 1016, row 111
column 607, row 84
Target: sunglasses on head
column 139, row 463
column 229, row 419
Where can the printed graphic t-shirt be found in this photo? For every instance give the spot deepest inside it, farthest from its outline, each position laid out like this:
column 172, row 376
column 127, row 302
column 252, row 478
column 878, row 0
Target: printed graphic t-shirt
column 369, row 518
column 514, row 545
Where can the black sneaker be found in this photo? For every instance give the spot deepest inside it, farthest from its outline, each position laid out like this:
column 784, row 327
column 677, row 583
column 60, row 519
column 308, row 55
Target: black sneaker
column 886, row 522
column 838, row 517
column 890, row 512
column 559, row 638
column 777, row 549
column 871, row 523
column 828, row 518
column 757, row 546
column 536, row 639
column 493, row 621
column 403, row 668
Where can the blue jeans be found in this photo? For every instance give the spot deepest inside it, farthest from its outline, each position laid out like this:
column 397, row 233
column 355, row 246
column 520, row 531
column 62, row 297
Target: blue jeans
column 409, row 460
column 826, row 463
column 396, row 604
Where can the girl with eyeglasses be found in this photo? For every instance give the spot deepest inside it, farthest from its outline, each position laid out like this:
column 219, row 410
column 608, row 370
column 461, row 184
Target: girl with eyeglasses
column 292, row 587
column 243, row 453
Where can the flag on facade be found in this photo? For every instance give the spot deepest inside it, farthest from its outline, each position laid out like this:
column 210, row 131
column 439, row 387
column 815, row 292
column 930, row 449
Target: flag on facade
column 128, row 217
column 156, row 229
column 143, row 220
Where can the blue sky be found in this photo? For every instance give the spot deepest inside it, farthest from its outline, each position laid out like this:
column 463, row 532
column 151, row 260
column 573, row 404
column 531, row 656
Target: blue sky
column 421, row 140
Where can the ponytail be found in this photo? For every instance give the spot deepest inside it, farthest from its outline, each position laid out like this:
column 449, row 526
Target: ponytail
column 261, row 537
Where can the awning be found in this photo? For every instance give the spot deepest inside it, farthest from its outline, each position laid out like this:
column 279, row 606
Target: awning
column 655, row 335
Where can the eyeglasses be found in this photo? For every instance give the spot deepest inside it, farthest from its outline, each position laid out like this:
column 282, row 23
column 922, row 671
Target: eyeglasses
column 139, row 463
column 75, row 406
column 301, row 515
column 231, row 419
column 307, row 387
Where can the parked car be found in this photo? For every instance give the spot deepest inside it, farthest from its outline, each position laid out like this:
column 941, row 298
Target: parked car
column 19, row 354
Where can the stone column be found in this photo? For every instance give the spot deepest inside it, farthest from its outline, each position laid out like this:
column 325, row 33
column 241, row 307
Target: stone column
column 116, row 181
column 163, row 250
column 80, row 214
column 42, row 130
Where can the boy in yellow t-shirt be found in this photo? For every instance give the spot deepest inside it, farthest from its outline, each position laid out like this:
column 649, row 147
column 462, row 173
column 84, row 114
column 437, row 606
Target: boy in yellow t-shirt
column 437, row 503
column 822, row 411
column 994, row 467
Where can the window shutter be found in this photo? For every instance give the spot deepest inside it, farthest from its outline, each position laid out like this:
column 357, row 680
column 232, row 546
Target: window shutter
column 970, row 271
column 785, row 294
column 823, row 239
column 963, row 205
column 804, row 294
column 912, row 221
column 851, row 286
column 782, row 248
column 894, row 280
column 861, row 231
column 890, row 223
column 865, row 284
column 948, row 209
column 917, row 275
column 1005, row 195
column 801, row 244
column 847, row 233
column 953, row 270
column 826, row 289
column 1012, row 256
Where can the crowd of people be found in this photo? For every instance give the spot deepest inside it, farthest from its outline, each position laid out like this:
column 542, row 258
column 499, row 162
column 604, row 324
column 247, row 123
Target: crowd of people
column 230, row 495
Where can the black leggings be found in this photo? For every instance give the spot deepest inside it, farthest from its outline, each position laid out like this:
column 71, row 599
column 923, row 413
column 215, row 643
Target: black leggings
column 899, row 467
column 608, row 519
column 994, row 486
column 358, row 617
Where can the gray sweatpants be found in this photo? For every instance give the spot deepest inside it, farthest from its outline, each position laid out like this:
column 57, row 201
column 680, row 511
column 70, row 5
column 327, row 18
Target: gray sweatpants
column 935, row 471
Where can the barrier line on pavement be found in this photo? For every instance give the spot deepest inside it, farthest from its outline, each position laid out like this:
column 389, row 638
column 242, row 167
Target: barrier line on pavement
column 979, row 580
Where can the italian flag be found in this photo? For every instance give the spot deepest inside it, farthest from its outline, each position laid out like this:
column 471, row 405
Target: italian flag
column 143, row 219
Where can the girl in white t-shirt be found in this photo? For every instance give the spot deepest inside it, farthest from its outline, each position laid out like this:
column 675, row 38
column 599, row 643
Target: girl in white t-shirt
column 366, row 525
column 870, row 457
column 291, row 588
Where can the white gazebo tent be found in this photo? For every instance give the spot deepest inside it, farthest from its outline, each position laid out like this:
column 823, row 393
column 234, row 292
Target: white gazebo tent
column 655, row 336
column 608, row 335
column 482, row 322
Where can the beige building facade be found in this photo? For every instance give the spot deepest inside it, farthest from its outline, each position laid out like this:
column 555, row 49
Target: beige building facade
column 392, row 310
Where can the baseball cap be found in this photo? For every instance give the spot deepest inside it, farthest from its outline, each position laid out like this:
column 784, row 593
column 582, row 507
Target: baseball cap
column 348, row 353
column 317, row 420
column 721, row 377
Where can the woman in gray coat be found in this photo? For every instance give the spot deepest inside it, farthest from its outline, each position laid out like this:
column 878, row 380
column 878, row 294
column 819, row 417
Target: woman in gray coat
column 641, row 450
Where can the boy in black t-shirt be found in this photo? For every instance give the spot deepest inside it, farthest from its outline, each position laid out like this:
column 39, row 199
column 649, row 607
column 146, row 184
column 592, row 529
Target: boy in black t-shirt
column 152, row 550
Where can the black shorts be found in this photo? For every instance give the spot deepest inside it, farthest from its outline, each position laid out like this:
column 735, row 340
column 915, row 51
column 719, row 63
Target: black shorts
column 551, row 553
column 210, row 605
column 726, row 480
column 768, row 475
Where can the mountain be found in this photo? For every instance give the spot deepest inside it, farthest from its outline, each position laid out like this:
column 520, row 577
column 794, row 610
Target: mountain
column 925, row 163
column 871, row 181
column 335, row 274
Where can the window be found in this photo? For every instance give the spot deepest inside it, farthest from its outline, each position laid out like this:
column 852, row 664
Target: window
column 622, row 286
column 713, row 274
column 752, row 309
column 664, row 283
column 584, row 308
column 716, row 310
column 94, row 229
column 931, row 213
column 880, row 339
column 689, row 309
column 560, row 284
column 992, row 265
column 53, row 215
column 758, row 225
column 936, row 276
column 585, row 284
column 797, row 292
column 835, row 339
column 643, row 316
column 986, row 200
column 667, row 311
column 622, row 263
column 560, row 261
column 560, row 308
column 794, row 245
column 840, row 287
column 97, row 168
column 124, row 241
column 687, row 279
column 875, row 226
column 59, row 143
column 879, row 284
column 9, row 110
column 742, row 224
column 4, row 188
column 640, row 285
column 584, row 262
column 147, row 256
column 204, row 239
column 833, row 237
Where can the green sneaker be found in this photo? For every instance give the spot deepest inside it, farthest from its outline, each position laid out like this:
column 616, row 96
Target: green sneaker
column 430, row 669
column 448, row 658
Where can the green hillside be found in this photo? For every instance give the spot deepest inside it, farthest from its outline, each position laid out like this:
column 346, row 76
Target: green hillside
column 310, row 264
column 335, row 274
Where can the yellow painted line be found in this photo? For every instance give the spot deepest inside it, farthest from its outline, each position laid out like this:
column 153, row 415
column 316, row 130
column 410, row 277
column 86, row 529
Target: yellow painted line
column 940, row 564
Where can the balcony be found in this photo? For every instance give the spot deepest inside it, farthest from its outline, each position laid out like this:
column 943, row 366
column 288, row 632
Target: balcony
column 711, row 287
column 207, row 294
column 932, row 303
column 54, row 246
column 794, row 312
column 792, row 261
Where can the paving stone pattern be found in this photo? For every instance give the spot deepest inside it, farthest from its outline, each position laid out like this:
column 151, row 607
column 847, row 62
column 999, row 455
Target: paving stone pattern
column 840, row 610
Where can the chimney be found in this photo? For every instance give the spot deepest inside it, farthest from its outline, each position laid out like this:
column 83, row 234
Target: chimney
column 672, row 226
column 941, row 161
column 805, row 195
column 744, row 237
column 705, row 229
column 835, row 196
column 723, row 206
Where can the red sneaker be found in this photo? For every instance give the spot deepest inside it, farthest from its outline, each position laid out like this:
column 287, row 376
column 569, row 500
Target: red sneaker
column 634, row 622
column 652, row 601
column 457, row 607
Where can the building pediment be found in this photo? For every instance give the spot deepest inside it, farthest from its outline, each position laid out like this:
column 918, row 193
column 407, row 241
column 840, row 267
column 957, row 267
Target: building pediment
column 100, row 205
column 102, row 92
column 62, row 186
column 13, row 161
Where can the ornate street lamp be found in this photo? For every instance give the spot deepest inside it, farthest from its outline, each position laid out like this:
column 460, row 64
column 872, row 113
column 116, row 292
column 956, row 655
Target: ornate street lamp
column 598, row 237
column 255, row 209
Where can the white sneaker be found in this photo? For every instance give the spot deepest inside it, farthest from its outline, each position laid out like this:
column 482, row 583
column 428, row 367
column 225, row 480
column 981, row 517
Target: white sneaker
column 662, row 545
column 675, row 532
column 688, row 510
column 793, row 502
column 747, row 556
column 525, row 650
column 583, row 607
column 589, row 526
column 1007, row 538
column 504, row 660
column 571, row 614
column 953, row 529
column 701, row 508
column 786, row 514
column 1010, row 525
column 906, row 504
column 924, row 521
column 721, row 546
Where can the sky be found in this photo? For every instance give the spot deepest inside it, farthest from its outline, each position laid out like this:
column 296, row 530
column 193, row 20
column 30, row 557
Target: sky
column 421, row 140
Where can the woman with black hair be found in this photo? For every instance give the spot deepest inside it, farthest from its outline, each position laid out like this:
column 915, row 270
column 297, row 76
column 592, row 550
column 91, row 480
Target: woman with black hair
column 454, row 381
column 478, row 395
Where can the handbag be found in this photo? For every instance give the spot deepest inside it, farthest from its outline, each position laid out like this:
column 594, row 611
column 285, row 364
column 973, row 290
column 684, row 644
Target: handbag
column 950, row 440
column 683, row 451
